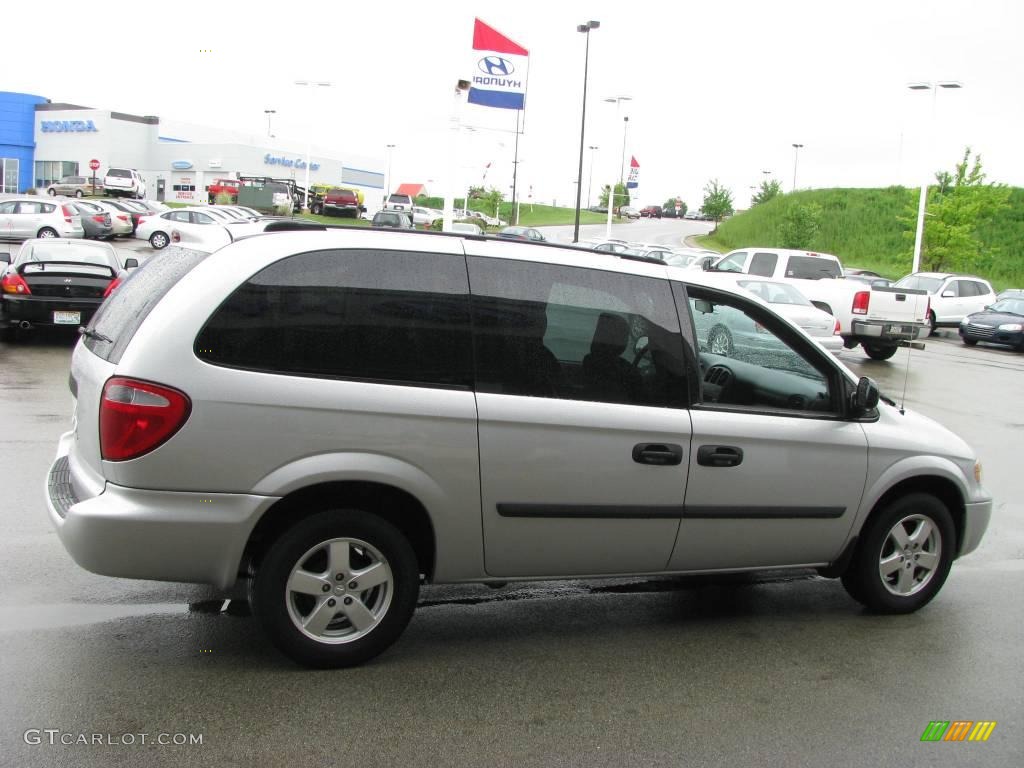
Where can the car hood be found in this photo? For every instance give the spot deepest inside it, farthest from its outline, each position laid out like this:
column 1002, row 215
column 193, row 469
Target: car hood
column 994, row 318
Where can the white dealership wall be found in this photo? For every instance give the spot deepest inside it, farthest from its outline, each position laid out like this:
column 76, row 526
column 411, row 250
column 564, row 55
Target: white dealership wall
column 183, row 155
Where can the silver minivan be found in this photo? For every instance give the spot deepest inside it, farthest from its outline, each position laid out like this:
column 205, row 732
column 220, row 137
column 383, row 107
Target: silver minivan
column 337, row 417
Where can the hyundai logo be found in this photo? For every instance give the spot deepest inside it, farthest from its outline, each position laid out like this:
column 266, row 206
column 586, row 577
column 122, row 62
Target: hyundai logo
column 496, row 66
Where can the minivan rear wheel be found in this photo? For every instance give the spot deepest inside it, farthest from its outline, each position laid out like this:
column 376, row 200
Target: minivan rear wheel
column 904, row 555
column 336, row 589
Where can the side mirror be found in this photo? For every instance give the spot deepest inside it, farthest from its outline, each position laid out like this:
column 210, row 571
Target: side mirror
column 865, row 398
column 131, row 263
column 5, row 258
column 948, row 295
column 706, row 262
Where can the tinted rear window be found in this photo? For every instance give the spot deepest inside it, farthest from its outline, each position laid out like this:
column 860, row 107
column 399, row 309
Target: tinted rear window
column 120, row 316
column 120, row 173
column 812, row 268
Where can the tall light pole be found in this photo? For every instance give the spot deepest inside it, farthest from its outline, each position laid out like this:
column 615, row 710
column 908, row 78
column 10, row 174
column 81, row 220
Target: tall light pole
column 617, row 101
column 923, row 199
column 590, row 182
column 796, row 155
column 309, row 137
column 269, row 113
column 583, row 29
column 387, row 175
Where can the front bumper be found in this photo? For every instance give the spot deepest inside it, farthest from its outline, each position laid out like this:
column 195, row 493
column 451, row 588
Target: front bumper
column 976, row 517
column 878, row 330
column 992, row 335
column 159, row 535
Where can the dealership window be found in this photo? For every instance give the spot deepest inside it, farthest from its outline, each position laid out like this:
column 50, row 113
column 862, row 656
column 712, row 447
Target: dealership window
column 8, row 175
column 51, row 171
column 184, row 187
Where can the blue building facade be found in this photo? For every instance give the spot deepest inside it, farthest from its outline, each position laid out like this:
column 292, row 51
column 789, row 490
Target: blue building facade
column 17, row 140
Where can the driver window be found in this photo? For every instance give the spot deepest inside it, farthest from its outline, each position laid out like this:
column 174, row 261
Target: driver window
column 748, row 359
column 732, row 263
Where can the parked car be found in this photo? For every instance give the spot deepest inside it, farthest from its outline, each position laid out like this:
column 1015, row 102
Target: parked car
column 875, row 282
column 425, row 217
column 1011, row 293
column 124, row 181
column 644, row 252
column 406, row 384
column 57, row 281
column 22, row 218
column 1000, row 323
column 75, row 186
column 466, row 228
column 96, row 221
column 490, row 221
column 952, row 297
column 651, row 212
column 120, row 220
column 194, row 226
column 397, row 202
column 135, row 209
column 522, row 233
column 628, row 212
column 392, row 219
column 338, row 200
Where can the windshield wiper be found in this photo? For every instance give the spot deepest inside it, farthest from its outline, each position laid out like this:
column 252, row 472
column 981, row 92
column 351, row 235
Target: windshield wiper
column 90, row 334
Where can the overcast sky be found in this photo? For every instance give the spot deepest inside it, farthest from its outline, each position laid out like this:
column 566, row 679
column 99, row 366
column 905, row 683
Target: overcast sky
column 719, row 89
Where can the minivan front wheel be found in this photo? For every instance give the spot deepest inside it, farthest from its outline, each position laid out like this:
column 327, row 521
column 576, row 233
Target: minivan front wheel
column 904, row 555
column 336, row 589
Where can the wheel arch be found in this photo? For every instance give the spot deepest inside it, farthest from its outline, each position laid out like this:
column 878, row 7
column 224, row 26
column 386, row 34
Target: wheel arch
column 945, row 489
column 389, row 502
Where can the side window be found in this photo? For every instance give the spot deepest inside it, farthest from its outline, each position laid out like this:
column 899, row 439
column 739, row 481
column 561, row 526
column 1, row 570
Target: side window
column 763, row 264
column 29, row 208
column 732, row 263
column 202, row 218
column 954, row 286
column 748, row 358
column 392, row 316
column 574, row 333
column 178, row 216
column 7, row 207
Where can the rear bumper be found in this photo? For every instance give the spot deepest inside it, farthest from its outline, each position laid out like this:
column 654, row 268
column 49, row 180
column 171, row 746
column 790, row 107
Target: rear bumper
column 158, row 535
column 39, row 310
column 976, row 520
column 878, row 330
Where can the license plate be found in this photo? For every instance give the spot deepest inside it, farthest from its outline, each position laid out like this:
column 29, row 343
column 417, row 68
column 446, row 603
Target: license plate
column 901, row 329
column 67, row 318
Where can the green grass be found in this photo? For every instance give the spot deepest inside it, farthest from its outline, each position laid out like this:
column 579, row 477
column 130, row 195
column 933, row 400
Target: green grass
column 861, row 227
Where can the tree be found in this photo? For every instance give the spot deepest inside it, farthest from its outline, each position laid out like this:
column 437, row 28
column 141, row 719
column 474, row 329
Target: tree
column 670, row 204
column 768, row 190
column 957, row 207
column 717, row 201
column 621, row 196
column 476, row 192
column 800, row 225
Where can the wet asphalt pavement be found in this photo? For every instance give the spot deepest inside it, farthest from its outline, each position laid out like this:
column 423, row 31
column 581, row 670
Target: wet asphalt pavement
column 783, row 671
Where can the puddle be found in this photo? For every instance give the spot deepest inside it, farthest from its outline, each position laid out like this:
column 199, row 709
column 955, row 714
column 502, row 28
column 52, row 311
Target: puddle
column 17, row 618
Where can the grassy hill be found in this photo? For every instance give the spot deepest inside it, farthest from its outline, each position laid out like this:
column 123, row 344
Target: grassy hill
column 861, row 227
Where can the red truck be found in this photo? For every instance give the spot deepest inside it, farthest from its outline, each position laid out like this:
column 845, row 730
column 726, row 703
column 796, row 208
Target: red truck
column 339, row 200
column 223, row 187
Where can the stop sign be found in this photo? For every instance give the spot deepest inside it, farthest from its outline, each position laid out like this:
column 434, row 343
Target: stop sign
column 94, row 164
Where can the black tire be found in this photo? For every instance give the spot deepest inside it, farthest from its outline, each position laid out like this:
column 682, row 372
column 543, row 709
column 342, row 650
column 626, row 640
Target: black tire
column 390, row 605
column 863, row 580
column 968, row 342
column 51, row 192
column 719, row 338
column 932, row 325
column 78, row 193
column 47, row 232
column 159, row 240
column 316, row 209
column 876, row 352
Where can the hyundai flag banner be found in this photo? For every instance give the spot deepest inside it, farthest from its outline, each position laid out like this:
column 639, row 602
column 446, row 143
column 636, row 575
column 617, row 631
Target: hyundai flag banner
column 499, row 70
column 634, row 174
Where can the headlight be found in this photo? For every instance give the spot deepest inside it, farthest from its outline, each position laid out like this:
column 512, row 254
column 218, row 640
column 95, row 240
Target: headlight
column 1011, row 327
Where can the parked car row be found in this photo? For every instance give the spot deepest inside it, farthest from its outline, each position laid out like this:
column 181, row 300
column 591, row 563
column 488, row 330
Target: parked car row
column 28, row 217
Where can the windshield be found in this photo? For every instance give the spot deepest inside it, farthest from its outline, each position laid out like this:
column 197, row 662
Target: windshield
column 930, row 284
column 1010, row 306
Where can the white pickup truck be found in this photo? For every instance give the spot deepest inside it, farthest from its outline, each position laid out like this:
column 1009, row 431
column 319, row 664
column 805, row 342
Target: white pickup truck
column 879, row 319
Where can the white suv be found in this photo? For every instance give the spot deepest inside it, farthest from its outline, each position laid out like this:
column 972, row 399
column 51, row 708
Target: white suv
column 953, row 297
column 339, row 416
column 124, row 181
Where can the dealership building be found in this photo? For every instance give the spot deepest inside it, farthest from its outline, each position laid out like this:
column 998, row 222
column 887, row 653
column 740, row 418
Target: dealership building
column 41, row 142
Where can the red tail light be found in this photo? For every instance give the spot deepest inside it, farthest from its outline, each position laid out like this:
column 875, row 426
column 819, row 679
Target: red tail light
column 68, row 213
column 138, row 416
column 13, row 283
column 98, row 218
column 123, row 216
column 861, row 300
column 928, row 308
column 838, row 329
column 112, row 287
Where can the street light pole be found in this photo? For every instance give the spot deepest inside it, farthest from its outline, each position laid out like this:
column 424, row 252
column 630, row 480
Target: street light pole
column 268, row 113
column 590, row 182
column 309, row 136
column 796, row 155
column 617, row 100
column 583, row 29
column 922, row 200
column 387, row 175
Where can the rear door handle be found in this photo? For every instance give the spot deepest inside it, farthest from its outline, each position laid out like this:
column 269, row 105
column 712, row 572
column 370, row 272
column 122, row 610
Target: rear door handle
column 719, row 456
column 658, row 454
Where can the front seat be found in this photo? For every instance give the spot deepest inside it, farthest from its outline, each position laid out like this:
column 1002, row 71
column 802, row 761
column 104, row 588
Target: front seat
column 609, row 377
